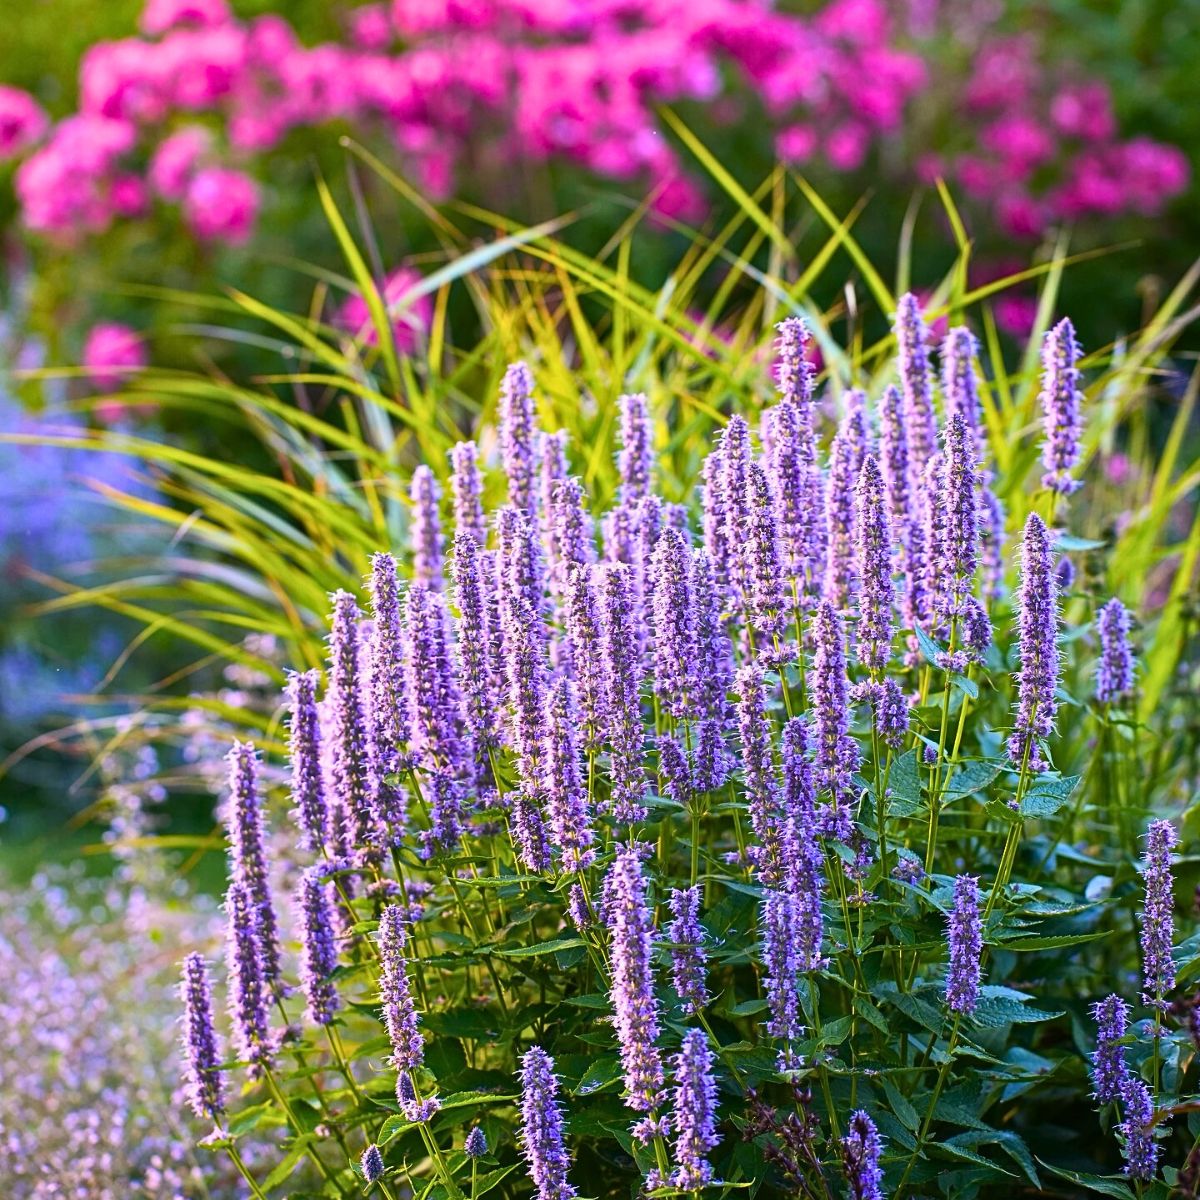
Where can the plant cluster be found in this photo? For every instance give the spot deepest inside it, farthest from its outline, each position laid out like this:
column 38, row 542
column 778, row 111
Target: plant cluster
column 777, row 841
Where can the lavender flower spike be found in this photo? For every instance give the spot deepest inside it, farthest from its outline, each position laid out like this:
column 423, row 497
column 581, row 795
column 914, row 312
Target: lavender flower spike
column 836, row 752
column 964, row 932
column 688, row 959
column 635, row 460
column 466, row 487
column 247, row 853
column 1060, row 399
column 428, row 544
column 566, row 796
column 541, row 1133
column 845, row 463
column 1137, row 1130
column 319, row 959
column 201, row 1057
column 912, row 349
column 1037, row 679
column 481, row 690
column 518, row 436
column 803, row 862
column 1157, row 916
column 304, row 754
column 768, row 599
column 1109, row 1068
column 387, row 690
column 957, row 501
column 247, row 981
column 635, row 1008
column 959, row 385
column 873, row 548
column 674, row 625
column 893, row 461
column 695, row 1115
column 1114, row 672
column 781, row 967
column 623, row 720
column 583, row 640
column 761, row 786
column 475, row 1144
column 399, row 1012
column 861, row 1148
column 372, row 1164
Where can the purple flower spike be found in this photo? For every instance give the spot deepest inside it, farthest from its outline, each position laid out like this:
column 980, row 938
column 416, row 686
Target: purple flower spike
column 912, row 347
column 570, row 538
column 735, row 460
column 352, row 769
column 635, row 1009
column 695, row 1115
column 372, row 1164
column 674, row 625
column 803, row 862
column 635, row 461
column 623, row 718
column 894, row 461
column 319, row 959
column 566, row 796
column 248, row 987
column 836, row 751
column 386, row 687
column 845, row 463
column 583, row 627
column 466, row 486
column 1060, row 400
column 480, row 686
column 541, row 1133
column 781, row 920
column 964, row 933
column 861, row 1148
column 428, row 545
column 976, row 629
column 768, row 598
column 873, row 545
column 1158, row 914
column 761, row 786
column 960, row 520
column 475, row 1144
column 1037, row 679
column 552, row 471
column 715, row 518
column 1137, row 1130
column 991, row 535
column 518, row 436
column 1109, row 1068
column 399, row 1011
column 310, row 809
column 959, row 385
column 688, row 958
column 795, row 376
column 201, row 1056
column 248, row 858
column 1114, row 671
column 523, row 580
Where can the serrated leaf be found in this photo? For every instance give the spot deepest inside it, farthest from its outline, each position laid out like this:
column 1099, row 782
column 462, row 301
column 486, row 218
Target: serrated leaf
column 600, row 1074
column 1106, row 1185
column 904, row 786
column 1052, row 942
column 996, row 1011
column 551, row 947
column 974, row 777
column 903, row 1109
column 1048, row 795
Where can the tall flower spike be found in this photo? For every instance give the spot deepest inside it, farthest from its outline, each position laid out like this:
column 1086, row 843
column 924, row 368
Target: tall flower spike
column 387, row 689
column 552, row 470
column 518, row 436
column 395, row 992
column 631, row 951
column 912, row 349
column 623, row 718
column 1109, row 1068
column 570, row 537
column 319, row 949
column 372, row 1164
column 991, row 534
column 475, row 1144
column 794, row 374
column 466, row 486
column 1114, row 671
column 351, row 766
column 304, row 755
column 781, row 969
column 201, row 1056
column 735, row 487
column 1158, row 914
column 873, row 547
column 960, row 519
column 713, row 677
column 541, row 1135
column 247, row 981
column 861, row 1149
column 768, row 599
column 479, row 683
column 715, row 518
column 428, row 544
column 964, row 933
column 934, row 519
column 894, row 461
column 1137, row 1130
column 803, row 862
column 674, row 625
column 635, row 460
column 248, row 855
column 695, row 1112
column 583, row 628
column 836, row 751
column 688, row 958
column 1037, row 678
column 1060, row 400
column 566, row 796
column 761, row 786
column 524, row 573
column 959, row 385
column 845, row 464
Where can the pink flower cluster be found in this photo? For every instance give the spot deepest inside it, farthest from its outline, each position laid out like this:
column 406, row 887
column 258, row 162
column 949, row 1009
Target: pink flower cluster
column 470, row 87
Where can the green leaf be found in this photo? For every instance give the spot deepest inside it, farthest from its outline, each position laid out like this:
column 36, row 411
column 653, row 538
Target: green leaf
column 904, row 784
column 966, row 685
column 599, row 1075
column 296, row 1151
column 929, row 648
column 1068, row 541
column 1052, row 942
column 974, row 777
column 905, row 1113
column 1106, row 1185
column 1048, row 794
column 996, row 1011
column 552, row 947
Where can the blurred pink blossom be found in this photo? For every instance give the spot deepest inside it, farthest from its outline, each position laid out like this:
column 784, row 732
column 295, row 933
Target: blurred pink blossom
column 176, row 159
column 411, row 313
column 161, row 15
column 111, row 354
column 221, row 205
column 22, row 121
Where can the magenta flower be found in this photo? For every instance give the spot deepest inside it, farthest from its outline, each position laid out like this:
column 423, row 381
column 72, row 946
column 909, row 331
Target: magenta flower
column 221, row 205
column 410, row 311
column 111, row 354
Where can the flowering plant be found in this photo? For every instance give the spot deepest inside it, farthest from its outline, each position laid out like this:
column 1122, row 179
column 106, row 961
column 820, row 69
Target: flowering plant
column 769, row 842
